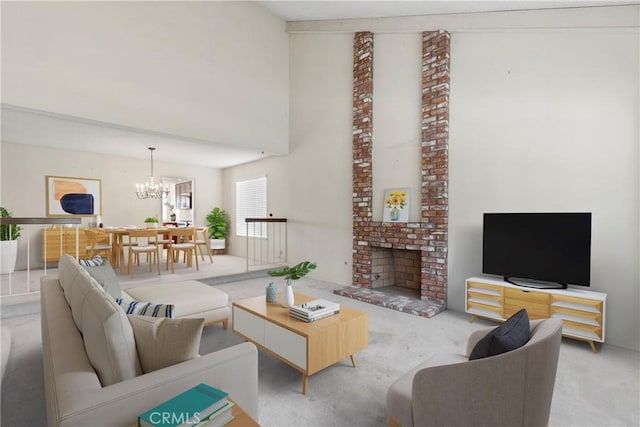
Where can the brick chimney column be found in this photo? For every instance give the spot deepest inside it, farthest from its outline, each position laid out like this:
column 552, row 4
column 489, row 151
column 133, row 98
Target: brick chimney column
column 435, row 162
column 362, row 154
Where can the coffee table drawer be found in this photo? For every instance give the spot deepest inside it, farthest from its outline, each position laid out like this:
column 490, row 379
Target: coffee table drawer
column 248, row 325
column 287, row 344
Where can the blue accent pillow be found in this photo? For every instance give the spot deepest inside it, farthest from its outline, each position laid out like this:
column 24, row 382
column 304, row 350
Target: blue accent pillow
column 512, row 334
column 96, row 260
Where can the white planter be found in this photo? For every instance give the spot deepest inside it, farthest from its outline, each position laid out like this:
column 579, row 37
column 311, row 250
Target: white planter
column 287, row 296
column 217, row 243
column 8, row 255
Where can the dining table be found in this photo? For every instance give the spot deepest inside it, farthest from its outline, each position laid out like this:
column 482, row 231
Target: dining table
column 117, row 242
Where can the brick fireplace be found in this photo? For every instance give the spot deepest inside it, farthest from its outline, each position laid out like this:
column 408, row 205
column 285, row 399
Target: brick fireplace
column 426, row 240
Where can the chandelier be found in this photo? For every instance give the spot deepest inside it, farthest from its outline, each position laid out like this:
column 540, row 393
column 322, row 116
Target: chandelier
column 151, row 190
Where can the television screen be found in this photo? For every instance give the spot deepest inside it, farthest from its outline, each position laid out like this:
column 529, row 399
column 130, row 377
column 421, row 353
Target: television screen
column 549, row 247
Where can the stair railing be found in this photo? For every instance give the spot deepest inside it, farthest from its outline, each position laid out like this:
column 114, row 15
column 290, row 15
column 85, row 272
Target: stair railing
column 266, row 242
column 7, row 288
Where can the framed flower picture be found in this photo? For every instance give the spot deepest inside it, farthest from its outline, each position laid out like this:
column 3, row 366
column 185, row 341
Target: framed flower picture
column 396, row 205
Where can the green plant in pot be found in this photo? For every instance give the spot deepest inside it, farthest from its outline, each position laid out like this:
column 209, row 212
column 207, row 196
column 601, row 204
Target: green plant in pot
column 9, row 234
column 292, row 273
column 151, row 221
column 218, row 226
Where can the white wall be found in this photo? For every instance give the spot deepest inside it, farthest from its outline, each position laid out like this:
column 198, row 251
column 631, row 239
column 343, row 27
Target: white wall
column 215, row 71
column 548, row 121
column 312, row 186
column 541, row 120
column 24, row 167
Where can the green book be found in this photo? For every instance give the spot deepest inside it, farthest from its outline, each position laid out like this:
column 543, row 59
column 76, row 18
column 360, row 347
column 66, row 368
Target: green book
column 185, row 409
column 219, row 418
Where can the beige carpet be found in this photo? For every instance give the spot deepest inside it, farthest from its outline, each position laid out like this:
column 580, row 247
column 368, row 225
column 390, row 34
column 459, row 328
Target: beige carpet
column 591, row 389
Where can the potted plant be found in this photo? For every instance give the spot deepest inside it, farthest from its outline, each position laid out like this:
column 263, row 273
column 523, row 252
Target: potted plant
column 151, row 221
column 218, row 224
column 289, row 274
column 9, row 234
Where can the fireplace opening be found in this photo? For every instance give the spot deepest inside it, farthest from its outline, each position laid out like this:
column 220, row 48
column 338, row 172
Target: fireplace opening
column 396, row 271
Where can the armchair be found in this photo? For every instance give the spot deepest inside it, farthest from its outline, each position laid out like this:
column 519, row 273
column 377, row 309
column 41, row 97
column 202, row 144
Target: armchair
column 510, row 389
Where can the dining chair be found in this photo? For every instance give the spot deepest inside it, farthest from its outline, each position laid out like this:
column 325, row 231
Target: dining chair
column 204, row 241
column 182, row 239
column 126, row 242
column 144, row 241
column 98, row 243
column 163, row 241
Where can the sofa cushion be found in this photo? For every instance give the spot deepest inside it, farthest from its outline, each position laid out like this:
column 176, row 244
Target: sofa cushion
column 188, row 297
column 512, row 334
column 75, row 282
column 108, row 338
column 145, row 308
column 164, row 342
column 106, row 277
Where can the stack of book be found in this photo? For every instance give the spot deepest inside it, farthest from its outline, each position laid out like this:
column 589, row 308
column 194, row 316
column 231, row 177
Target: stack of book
column 201, row 405
column 314, row 310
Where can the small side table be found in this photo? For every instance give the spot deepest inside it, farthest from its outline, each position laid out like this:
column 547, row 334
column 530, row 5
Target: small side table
column 240, row 417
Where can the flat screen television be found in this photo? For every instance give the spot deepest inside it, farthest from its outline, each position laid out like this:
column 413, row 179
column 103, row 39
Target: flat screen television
column 541, row 250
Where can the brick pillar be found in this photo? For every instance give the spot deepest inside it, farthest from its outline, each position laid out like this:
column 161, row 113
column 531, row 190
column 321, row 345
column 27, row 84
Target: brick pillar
column 362, row 154
column 435, row 161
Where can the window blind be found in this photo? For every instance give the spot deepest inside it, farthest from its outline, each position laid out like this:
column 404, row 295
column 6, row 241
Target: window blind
column 251, row 202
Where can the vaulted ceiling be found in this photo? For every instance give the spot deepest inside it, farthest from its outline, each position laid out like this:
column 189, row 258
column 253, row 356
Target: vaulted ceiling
column 20, row 125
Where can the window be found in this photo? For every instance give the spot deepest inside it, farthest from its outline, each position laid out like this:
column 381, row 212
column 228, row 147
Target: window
column 251, row 202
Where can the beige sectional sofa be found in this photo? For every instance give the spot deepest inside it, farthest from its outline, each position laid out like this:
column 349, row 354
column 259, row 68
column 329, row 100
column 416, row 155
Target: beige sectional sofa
column 93, row 376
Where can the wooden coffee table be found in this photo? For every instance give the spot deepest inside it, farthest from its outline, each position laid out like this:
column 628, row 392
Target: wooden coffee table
column 306, row 347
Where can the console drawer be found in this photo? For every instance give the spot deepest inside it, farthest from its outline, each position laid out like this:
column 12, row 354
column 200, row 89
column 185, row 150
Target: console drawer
column 493, row 289
column 577, row 303
column 526, row 296
column 534, row 311
column 536, row 303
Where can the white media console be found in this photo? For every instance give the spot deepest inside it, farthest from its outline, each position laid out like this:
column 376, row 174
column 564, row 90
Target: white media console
column 582, row 311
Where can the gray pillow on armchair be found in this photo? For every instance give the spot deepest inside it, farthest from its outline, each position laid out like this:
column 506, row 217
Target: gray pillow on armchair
column 512, row 334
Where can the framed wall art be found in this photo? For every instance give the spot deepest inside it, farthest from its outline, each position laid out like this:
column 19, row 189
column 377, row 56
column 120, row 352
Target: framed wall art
column 396, row 205
column 71, row 196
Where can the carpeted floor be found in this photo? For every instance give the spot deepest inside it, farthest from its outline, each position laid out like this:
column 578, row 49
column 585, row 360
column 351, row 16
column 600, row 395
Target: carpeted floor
column 599, row 389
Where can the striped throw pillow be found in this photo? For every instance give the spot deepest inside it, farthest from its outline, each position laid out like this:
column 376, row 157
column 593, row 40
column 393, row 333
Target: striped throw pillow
column 146, row 308
column 93, row 262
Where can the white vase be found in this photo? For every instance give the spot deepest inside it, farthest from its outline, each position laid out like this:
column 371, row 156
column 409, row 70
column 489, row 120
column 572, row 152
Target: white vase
column 287, row 296
column 8, row 255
